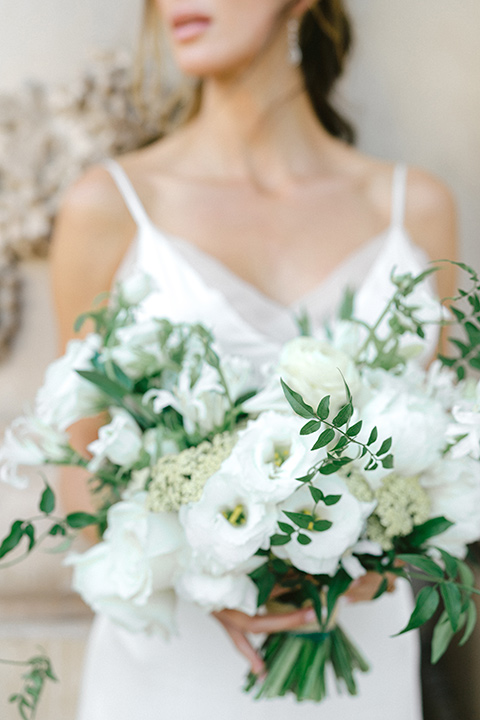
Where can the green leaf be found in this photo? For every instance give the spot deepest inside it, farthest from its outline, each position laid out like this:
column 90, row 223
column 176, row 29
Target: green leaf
column 453, row 603
column 47, row 501
column 355, row 429
column 297, row 403
column 332, row 499
column 423, row 563
column 382, row 589
column 471, row 621
column 304, row 539
column 109, row 387
column 29, row 531
column 322, row 525
column 344, row 415
column 311, row 427
column 324, row 438
column 341, row 444
column 387, row 462
column 345, row 311
column 306, row 478
column 279, row 539
column 466, row 575
column 316, row 494
column 80, row 520
column 450, row 562
column 265, row 587
column 426, row 604
column 57, row 529
column 338, row 585
column 300, row 519
column 385, row 446
column 428, row 529
column 12, row 539
column 373, row 436
column 286, row 528
column 323, row 409
column 442, row 635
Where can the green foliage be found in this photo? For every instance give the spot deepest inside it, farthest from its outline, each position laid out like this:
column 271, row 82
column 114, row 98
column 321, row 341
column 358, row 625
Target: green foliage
column 39, row 672
column 468, row 320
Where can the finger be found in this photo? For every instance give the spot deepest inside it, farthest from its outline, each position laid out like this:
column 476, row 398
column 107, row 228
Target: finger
column 269, row 623
column 364, row 588
column 245, row 647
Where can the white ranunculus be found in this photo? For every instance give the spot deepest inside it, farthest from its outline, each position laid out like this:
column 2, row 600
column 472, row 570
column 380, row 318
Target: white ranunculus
column 216, row 592
column 29, row 441
column 269, row 455
column 130, row 575
column 120, row 441
column 136, row 288
column 325, row 551
column 416, row 422
column 220, row 544
column 65, row 397
column 453, row 487
column 314, row 368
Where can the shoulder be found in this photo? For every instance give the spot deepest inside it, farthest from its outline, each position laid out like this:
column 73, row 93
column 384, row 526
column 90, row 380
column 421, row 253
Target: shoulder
column 92, row 233
column 431, row 221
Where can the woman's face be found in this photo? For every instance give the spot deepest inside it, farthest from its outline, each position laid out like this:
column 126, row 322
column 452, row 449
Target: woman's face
column 218, row 37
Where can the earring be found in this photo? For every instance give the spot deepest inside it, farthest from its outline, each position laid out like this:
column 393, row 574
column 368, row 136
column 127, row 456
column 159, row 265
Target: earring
column 294, row 49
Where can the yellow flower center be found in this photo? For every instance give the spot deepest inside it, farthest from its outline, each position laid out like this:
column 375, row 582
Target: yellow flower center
column 237, row 516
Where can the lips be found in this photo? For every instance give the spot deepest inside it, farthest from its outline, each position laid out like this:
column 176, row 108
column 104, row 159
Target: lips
column 189, row 25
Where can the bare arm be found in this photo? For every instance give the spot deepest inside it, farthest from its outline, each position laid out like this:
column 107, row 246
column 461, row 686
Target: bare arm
column 92, row 233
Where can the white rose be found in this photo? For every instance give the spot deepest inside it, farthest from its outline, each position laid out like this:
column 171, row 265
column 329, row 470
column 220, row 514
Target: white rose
column 136, row 288
column 216, row 592
column 65, row 397
column 453, row 487
column 325, row 551
column 129, row 576
column 314, row 368
column 226, row 527
column 120, row 441
column 269, row 455
column 416, row 423
column 29, row 441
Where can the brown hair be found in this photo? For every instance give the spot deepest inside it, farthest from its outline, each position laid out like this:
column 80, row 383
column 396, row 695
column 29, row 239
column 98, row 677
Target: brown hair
column 325, row 38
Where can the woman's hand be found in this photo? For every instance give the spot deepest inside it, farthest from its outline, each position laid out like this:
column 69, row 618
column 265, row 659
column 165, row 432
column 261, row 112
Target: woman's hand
column 238, row 625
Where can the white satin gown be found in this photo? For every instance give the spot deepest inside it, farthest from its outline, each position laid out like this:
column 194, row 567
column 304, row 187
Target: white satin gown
column 198, row 675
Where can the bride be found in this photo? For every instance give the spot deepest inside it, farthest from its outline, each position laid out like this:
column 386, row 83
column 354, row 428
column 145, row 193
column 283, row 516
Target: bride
column 256, row 207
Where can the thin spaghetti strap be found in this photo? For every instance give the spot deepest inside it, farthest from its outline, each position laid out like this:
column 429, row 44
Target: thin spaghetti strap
column 128, row 192
column 399, row 193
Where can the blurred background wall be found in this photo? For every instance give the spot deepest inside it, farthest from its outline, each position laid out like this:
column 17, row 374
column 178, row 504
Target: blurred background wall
column 413, row 89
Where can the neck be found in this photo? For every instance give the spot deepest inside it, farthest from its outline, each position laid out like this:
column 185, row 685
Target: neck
column 258, row 124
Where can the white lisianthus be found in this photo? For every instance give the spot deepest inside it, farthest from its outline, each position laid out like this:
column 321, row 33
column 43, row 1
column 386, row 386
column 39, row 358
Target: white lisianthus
column 130, row 575
column 120, row 441
column 454, row 490
column 226, row 527
column 269, row 455
column 138, row 350
column 324, row 553
column 416, row 423
column 65, row 397
column 216, row 592
column 30, row 441
column 314, row 368
column 136, row 288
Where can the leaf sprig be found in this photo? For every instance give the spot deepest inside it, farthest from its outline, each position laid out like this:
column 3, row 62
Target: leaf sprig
column 39, row 672
column 468, row 319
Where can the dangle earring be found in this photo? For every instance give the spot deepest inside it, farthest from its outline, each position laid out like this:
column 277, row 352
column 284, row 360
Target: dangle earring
column 294, row 49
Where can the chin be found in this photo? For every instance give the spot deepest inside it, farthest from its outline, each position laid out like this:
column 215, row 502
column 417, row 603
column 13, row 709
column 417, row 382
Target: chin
column 201, row 63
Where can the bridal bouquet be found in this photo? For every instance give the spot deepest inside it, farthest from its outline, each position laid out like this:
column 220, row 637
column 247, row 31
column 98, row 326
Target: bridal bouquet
column 347, row 457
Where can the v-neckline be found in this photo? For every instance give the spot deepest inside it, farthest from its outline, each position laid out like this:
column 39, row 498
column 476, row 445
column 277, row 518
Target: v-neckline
column 175, row 242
